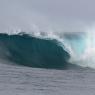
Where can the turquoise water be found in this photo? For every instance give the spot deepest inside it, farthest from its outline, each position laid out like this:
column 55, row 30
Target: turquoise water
column 77, row 42
column 31, row 51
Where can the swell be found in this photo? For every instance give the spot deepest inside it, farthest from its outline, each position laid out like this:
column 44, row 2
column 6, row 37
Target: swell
column 32, row 51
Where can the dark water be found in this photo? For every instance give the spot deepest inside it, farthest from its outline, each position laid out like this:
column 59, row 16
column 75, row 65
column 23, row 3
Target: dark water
column 31, row 51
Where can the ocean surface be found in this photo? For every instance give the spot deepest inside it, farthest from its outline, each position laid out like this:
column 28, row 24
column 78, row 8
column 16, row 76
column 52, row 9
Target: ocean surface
column 20, row 80
column 54, row 64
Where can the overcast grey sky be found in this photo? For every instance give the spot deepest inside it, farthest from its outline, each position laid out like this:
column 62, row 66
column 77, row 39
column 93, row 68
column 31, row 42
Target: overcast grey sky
column 44, row 13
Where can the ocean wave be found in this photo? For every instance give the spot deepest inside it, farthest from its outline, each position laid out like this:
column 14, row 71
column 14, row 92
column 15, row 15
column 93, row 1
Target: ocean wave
column 32, row 51
column 48, row 49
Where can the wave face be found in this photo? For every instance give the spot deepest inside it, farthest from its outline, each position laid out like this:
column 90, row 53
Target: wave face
column 32, row 51
column 49, row 49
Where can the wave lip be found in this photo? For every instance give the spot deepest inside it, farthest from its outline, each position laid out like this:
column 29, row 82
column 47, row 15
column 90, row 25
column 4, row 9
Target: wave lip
column 32, row 51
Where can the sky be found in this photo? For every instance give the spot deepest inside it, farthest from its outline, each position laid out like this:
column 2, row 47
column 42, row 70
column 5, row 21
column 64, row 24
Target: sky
column 45, row 14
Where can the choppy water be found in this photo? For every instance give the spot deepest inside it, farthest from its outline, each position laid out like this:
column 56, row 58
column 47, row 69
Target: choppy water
column 16, row 80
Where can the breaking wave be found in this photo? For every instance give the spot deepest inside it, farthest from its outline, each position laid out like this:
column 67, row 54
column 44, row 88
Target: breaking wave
column 48, row 50
column 31, row 51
